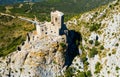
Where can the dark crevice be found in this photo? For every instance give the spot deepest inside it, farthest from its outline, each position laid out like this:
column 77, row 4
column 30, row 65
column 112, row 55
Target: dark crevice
column 73, row 41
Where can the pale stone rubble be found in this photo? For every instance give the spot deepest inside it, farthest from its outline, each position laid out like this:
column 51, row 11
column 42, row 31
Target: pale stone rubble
column 39, row 58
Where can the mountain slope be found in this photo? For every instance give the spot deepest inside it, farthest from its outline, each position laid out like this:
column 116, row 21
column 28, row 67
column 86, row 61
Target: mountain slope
column 100, row 30
column 42, row 9
column 6, row 2
column 12, row 32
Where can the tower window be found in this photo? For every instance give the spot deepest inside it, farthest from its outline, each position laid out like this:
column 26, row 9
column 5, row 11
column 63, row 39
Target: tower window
column 55, row 19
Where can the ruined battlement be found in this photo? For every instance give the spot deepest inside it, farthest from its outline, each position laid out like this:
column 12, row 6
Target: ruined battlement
column 53, row 27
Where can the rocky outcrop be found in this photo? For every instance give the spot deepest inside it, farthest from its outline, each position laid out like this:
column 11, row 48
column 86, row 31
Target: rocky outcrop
column 100, row 46
column 38, row 57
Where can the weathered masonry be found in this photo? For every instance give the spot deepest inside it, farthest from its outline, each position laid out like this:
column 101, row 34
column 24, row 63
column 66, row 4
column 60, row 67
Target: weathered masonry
column 53, row 27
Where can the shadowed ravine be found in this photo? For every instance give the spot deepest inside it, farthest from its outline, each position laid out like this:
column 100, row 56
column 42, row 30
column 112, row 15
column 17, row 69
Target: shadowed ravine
column 73, row 41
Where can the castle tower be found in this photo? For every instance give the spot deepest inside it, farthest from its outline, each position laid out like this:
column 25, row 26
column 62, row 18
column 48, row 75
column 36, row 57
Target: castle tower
column 53, row 27
column 57, row 18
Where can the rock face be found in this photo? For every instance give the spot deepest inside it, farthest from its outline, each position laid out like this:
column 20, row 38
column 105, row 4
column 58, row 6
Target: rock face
column 38, row 57
column 100, row 31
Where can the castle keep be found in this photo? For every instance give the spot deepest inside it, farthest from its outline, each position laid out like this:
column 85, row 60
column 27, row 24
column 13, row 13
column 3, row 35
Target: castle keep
column 53, row 27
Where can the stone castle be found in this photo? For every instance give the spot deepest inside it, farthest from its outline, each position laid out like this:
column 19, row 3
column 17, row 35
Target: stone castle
column 53, row 27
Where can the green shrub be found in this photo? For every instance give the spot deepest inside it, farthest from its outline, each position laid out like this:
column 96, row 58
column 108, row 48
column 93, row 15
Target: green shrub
column 93, row 52
column 98, row 67
column 117, row 44
column 110, row 6
column 88, row 73
column 94, row 26
column 97, row 43
column 117, row 68
column 63, row 45
column 81, row 74
column 12, row 46
column 109, row 54
column 86, row 65
column 102, row 47
column 91, row 41
column 69, row 72
column 108, row 72
column 83, row 58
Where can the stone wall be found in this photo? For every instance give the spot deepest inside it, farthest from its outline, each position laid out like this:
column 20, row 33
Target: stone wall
column 53, row 27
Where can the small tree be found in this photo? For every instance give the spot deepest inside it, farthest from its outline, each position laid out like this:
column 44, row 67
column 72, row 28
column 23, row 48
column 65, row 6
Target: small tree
column 98, row 67
column 63, row 45
column 97, row 43
column 102, row 47
column 91, row 41
column 94, row 26
column 93, row 52
column 69, row 72
column 88, row 73
column 81, row 74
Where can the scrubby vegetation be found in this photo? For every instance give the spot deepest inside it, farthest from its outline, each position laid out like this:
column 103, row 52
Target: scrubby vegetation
column 94, row 26
column 12, row 33
column 62, row 44
column 102, row 47
column 81, row 74
column 12, row 46
column 93, row 52
column 91, row 41
column 97, row 43
column 42, row 9
column 69, row 72
column 98, row 67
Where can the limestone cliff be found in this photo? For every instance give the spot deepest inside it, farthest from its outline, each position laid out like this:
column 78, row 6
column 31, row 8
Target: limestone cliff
column 100, row 30
column 36, row 57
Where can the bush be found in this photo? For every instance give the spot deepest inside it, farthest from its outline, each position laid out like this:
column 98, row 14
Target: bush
column 91, row 41
column 97, row 43
column 117, row 44
column 86, row 65
column 69, row 72
column 98, row 67
column 88, row 73
column 102, row 47
column 63, row 45
column 93, row 52
column 83, row 58
column 81, row 74
column 117, row 68
column 12, row 46
column 94, row 27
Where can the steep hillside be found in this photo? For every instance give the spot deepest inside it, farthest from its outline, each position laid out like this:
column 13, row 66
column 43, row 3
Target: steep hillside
column 100, row 46
column 12, row 33
column 6, row 2
column 42, row 9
